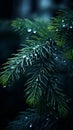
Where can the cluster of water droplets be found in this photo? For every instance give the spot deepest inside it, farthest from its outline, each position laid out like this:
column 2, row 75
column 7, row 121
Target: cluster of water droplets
column 30, row 125
column 65, row 25
column 31, row 30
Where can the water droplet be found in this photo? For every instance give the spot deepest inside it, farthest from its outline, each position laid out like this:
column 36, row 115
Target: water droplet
column 50, row 39
column 30, row 126
column 34, row 48
column 56, row 57
column 34, row 31
column 63, row 25
column 37, row 46
column 27, row 58
column 26, row 117
column 64, row 61
column 35, row 54
column 36, row 79
column 47, row 119
column 24, row 56
column 18, row 27
column 62, row 20
column 57, row 30
column 31, row 55
column 71, row 27
column 29, row 30
column 12, row 67
column 4, row 86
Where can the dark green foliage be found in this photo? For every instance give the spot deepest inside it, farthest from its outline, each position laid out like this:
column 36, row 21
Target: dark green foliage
column 32, row 120
column 46, row 52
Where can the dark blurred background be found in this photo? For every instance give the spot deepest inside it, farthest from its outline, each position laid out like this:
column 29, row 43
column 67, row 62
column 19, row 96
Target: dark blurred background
column 10, row 9
column 11, row 100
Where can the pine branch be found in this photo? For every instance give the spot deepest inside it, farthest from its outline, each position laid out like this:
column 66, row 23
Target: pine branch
column 63, row 25
column 59, row 29
column 38, row 29
column 36, row 61
column 31, row 120
column 44, row 87
column 32, row 50
column 26, row 57
column 37, row 82
column 56, row 97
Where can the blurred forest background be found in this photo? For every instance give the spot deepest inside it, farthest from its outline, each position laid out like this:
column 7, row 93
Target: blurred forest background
column 10, row 99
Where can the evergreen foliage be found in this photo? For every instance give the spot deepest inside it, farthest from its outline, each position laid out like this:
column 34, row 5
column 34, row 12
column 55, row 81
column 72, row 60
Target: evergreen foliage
column 46, row 52
column 32, row 120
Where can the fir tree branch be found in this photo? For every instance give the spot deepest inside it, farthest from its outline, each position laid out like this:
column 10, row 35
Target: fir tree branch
column 30, row 119
column 26, row 57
